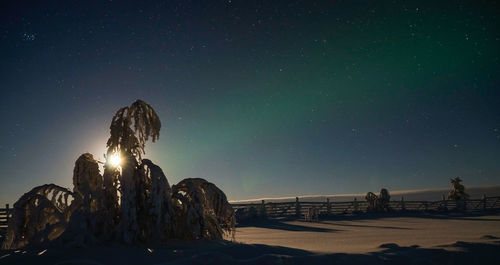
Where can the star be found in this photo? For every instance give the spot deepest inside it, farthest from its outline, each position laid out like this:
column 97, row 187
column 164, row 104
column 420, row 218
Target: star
column 29, row 36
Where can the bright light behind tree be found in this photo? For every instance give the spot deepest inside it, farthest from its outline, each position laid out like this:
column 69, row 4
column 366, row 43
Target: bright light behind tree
column 115, row 160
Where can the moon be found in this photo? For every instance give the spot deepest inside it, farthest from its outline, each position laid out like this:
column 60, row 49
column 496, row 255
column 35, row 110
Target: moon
column 115, row 160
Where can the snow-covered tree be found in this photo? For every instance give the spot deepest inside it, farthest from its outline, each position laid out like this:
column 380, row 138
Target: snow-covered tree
column 457, row 191
column 131, row 202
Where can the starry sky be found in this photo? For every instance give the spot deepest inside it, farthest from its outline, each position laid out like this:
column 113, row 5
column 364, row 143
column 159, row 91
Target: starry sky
column 263, row 98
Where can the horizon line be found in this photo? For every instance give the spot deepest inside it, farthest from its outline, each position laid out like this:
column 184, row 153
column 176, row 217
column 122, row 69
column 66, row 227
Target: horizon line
column 396, row 192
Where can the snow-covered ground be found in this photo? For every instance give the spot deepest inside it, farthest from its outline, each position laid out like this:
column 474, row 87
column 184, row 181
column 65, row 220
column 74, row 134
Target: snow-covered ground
column 366, row 233
column 368, row 239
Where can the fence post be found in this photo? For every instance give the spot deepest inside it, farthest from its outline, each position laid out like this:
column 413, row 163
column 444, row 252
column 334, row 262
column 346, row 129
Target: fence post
column 403, row 206
column 445, row 203
column 484, row 202
column 263, row 208
column 7, row 212
column 328, row 206
column 297, row 207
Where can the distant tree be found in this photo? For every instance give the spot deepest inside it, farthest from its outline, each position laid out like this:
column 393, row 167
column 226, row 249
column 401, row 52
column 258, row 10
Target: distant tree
column 378, row 203
column 457, row 191
column 371, row 200
column 383, row 200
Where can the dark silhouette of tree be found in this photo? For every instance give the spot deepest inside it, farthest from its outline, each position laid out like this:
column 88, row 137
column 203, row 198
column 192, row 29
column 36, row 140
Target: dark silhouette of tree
column 371, row 199
column 457, row 191
column 131, row 202
column 202, row 210
column 378, row 203
column 39, row 216
column 383, row 200
column 130, row 128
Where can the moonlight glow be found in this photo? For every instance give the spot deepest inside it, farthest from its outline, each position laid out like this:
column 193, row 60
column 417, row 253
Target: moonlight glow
column 115, row 160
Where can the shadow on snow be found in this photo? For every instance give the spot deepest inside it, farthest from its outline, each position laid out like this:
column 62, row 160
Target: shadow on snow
column 223, row 252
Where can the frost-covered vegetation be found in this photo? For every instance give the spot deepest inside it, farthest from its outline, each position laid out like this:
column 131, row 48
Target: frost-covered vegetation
column 457, row 191
column 130, row 203
column 378, row 203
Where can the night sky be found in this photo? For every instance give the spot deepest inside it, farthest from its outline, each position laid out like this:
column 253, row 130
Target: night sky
column 263, row 98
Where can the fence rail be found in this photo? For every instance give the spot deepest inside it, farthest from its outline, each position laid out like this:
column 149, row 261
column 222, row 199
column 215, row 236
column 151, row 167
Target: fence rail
column 4, row 216
column 300, row 208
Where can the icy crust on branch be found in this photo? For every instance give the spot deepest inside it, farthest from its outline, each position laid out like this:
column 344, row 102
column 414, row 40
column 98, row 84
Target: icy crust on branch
column 87, row 183
column 154, row 204
column 39, row 216
column 145, row 123
column 192, row 209
column 130, row 128
column 202, row 210
column 87, row 219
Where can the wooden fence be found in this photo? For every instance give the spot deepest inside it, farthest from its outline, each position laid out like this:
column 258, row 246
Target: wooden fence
column 4, row 216
column 299, row 208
